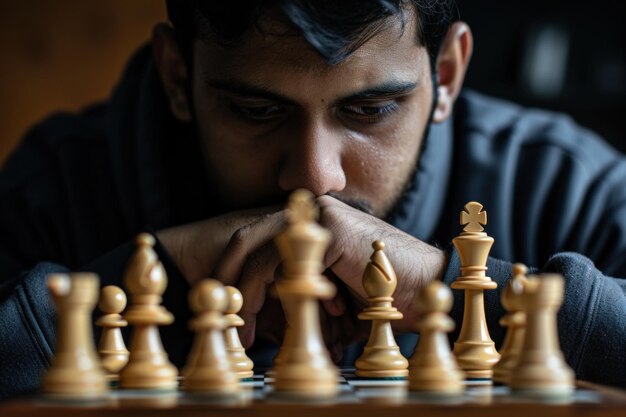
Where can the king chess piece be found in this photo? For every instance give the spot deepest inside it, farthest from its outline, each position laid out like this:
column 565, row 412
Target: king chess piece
column 541, row 369
column 475, row 351
column 432, row 367
column 515, row 322
column 112, row 350
column 305, row 369
column 75, row 373
column 148, row 366
column 381, row 356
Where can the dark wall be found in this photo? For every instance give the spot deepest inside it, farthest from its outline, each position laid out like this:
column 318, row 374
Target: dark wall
column 562, row 55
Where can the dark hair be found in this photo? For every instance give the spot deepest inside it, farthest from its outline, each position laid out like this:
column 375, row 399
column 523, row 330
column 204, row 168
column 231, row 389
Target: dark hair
column 334, row 28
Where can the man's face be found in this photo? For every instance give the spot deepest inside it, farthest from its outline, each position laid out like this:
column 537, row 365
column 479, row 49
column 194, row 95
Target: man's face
column 273, row 117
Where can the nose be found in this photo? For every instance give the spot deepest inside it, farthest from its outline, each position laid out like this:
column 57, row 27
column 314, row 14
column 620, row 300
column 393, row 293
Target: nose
column 313, row 161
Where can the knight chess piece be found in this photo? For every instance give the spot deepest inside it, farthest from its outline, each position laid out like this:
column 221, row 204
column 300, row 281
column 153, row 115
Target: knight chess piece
column 475, row 351
column 240, row 363
column 432, row 367
column 381, row 356
column 112, row 350
column 514, row 321
column 305, row 369
column 209, row 370
column 75, row 372
column 541, row 368
column 148, row 365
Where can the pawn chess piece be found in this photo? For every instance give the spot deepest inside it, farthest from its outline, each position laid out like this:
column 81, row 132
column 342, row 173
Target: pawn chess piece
column 432, row 367
column 148, row 366
column 75, row 372
column 515, row 322
column 240, row 363
column 112, row 350
column 381, row 357
column 475, row 351
column 541, row 369
column 305, row 369
column 209, row 370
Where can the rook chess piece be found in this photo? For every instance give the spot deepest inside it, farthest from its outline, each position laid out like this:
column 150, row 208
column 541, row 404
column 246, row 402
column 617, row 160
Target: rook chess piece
column 209, row 370
column 305, row 369
column 381, row 357
column 113, row 352
column 474, row 349
column 432, row 367
column 541, row 369
column 148, row 366
column 514, row 321
column 239, row 361
column 75, row 372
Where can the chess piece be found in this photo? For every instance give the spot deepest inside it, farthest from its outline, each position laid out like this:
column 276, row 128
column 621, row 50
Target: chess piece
column 75, row 372
column 148, row 366
column 113, row 352
column 432, row 367
column 541, row 368
column 239, row 361
column 381, row 357
column 305, row 369
column 514, row 321
column 475, row 351
column 209, row 370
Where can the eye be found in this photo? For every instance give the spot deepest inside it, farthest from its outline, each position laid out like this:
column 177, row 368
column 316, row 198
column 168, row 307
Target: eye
column 257, row 112
column 370, row 112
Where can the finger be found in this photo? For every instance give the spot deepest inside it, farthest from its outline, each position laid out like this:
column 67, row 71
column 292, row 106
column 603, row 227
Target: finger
column 242, row 243
column 257, row 275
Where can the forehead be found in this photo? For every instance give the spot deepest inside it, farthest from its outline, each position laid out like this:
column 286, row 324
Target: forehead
column 275, row 56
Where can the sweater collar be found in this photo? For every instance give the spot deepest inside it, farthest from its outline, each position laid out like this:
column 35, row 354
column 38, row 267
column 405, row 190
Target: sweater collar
column 422, row 206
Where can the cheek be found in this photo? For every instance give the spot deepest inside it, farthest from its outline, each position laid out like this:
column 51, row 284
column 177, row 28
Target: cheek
column 241, row 167
column 379, row 169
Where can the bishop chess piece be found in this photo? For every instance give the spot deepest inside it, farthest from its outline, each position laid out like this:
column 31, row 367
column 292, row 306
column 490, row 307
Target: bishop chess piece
column 305, row 369
column 381, row 357
column 112, row 350
column 209, row 370
column 515, row 322
column 432, row 367
column 475, row 351
column 75, row 373
column 240, row 363
column 541, row 369
column 148, row 366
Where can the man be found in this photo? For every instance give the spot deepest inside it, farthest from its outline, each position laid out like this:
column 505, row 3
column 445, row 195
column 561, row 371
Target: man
column 242, row 103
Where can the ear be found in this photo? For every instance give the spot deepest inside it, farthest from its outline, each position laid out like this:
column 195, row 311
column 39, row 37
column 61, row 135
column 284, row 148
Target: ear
column 172, row 70
column 452, row 63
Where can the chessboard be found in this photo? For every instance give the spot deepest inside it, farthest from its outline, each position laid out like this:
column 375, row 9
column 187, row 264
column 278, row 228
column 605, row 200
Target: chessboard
column 357, row 397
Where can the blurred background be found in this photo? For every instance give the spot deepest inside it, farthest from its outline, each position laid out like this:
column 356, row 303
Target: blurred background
column 564, row 55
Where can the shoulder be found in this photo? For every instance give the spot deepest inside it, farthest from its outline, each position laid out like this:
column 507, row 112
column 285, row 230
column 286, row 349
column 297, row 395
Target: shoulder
column 63, row 149
column 499, row 126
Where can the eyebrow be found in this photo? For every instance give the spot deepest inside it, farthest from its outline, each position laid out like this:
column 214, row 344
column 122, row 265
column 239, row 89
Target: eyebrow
column 386, row 89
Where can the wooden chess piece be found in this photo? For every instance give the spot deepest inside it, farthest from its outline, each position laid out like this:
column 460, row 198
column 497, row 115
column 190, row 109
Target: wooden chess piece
column 541, row 368
column 514, row 321
column 112, row 350
column 209, row 370
column 148, row 366
column 240, row 363
column 432, row 367
column 305, row 370
column 381, row 357
column 75, row 372
column 475, row 351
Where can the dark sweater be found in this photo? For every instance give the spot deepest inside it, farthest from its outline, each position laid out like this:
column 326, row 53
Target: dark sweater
column 80, row 187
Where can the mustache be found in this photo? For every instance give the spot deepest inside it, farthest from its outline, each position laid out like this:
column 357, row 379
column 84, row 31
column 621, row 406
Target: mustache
column 356, row 203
